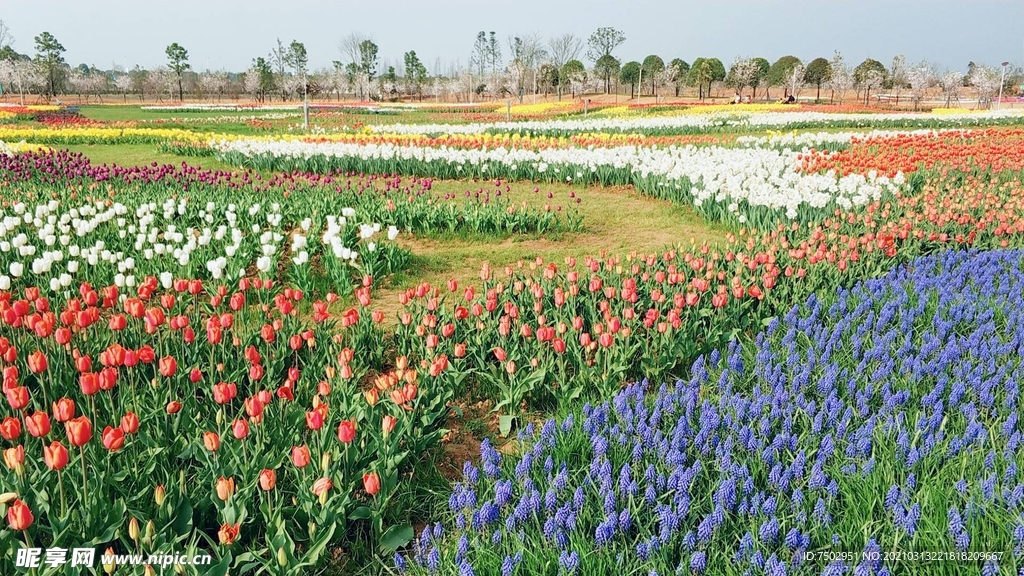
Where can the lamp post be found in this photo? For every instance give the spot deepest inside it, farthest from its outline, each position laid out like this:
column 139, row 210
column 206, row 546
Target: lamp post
column 1002, row 80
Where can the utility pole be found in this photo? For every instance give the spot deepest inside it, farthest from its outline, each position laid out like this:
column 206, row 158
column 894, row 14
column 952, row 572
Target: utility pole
column 640, row 85
column 305, row 102
column 1002, row 80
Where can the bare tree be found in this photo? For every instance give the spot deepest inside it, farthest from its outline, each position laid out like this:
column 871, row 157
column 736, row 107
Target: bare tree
column 563, row 48
column 6, row 39
column 349, row 46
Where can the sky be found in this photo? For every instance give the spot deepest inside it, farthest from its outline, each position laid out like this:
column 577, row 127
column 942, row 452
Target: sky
column 228, row 34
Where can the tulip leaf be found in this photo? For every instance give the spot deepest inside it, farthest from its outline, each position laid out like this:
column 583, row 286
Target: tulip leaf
column 220, row 568
column 182, row 521
column 505, row 425
column 395, row 537
column 361, row 513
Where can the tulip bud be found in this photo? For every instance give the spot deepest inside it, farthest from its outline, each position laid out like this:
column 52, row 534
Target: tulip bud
column 133, row 529
column 159, row 495
column 109, row 568
column 325, row 461
column 282, row 558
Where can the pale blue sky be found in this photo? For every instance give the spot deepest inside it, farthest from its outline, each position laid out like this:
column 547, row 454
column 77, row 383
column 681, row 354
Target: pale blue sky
column 227, row 34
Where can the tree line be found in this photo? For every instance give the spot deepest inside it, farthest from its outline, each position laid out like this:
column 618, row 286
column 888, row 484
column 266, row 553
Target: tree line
column 513, row 68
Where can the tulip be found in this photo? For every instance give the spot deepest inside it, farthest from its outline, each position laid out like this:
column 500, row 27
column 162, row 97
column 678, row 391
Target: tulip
column 268, row 479
column 225, row 487
column 17, row 397
column 228, row 533
column 38, row 424
column 211, row 440
column 300, row 456
column 13, row 457
column 113, row 438
column 168, row 366
column 19, row 516
column 173, row 407
column 130, row 423
column 322, row 485
column 388, row 424
column 79, row 431
column 10, row 428
column 55, row 455
column 347, row 431
column 372, row 396
column 314, row 420
column 109, row 568
column 133, row 529
column 159, row 494
column 371, row 483
column 37, row 362
column 240, row 429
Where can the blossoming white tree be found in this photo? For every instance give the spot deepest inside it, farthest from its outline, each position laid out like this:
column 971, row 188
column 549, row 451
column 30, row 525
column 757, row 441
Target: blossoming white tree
column 842, row 77
column 951, row 82
column 985, row 81
column 920, row 78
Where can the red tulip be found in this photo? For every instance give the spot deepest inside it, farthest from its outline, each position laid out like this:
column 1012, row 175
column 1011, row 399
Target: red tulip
column 168, row 366
column 300, row 456
column 64, row 410
column 19, row 516
column 37, row 362
column 268, row 479
column 89, row 382
column 371, row 483
column 240, row 429
column 113, row 438
column 314, row 420
column 173, row 407
column 347, row 431
column 129, row 422
column 388, row 424
column 38, row 424
column 79, row 430
column 10, row 428
column 55, row 455
column 17, row 397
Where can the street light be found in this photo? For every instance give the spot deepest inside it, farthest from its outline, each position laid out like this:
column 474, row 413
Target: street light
column 1002, row 80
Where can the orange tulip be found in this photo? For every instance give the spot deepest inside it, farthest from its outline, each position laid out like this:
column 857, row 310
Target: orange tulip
column 10, row 428
column 17, row 397
column 13, row 457
column 212, row 441
column 63, row 410
column 228, row 533
column 347, row 431
column 37, row 362
column 225, row 487
column 168, row 366
column 130, row 423
column 388, row 424
column 321, row 486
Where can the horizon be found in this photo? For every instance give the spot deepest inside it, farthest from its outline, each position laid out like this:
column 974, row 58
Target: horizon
column 710, row 32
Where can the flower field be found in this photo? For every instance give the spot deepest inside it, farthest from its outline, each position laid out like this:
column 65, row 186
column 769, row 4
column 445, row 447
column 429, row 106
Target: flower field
column 267, row 345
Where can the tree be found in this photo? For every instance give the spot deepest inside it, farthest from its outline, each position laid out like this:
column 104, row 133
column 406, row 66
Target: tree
column 741, row 74
column 493, row 52
column 50, row 57
column 526, row 53
column 415, row 73
column 263, row 79
column 869, row 74
column 951, row 82
column 681, row 69
column 630, row 74
column 795, row 80
column 297, row 59
column 573, row 74
column 607, row 67
column 548, row 77
column 818, row 72
column 841, row 78
column 652, row 66
column 986, row 82
column 920, row 78
column 761, row 68
column 898, row 76
column 603, row 42
column 564, row 48
column 368, row 59
column 177, row 61
column 780, row 73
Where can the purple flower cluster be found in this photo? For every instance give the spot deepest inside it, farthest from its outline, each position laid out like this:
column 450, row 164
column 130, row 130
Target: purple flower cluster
column 887, row 418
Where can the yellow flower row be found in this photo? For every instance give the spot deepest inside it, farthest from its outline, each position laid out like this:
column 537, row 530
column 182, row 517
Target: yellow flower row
column 540, row 108
column 620, row 111
column 17, row 147
column 948, row 111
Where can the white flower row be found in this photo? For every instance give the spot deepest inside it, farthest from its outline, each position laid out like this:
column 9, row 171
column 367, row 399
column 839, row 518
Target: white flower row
column 762, row 120
column 758, row 176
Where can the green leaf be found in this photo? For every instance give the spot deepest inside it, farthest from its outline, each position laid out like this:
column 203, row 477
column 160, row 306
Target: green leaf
column 395, row 537
column 220, row 568
column 182, row 522
column 361, row 513
column 505, row 425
